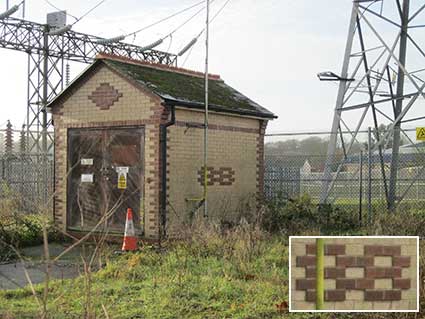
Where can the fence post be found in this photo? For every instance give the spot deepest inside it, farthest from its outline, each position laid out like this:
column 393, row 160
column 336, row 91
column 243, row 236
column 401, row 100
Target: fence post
column 360, row 186
column 369, row 176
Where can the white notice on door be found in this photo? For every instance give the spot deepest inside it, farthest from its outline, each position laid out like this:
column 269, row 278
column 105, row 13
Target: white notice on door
column 86, row 178
column 86, row 161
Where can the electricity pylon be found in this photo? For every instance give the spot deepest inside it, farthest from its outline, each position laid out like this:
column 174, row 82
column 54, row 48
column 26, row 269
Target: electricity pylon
column 47, row 54
column 381, row 82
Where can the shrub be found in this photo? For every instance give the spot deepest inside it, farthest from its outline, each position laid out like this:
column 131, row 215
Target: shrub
column 301, row 215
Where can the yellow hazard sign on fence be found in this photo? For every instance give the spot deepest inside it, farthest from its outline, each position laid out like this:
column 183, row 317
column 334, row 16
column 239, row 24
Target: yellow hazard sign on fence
column 420, row 133
column 122, row 180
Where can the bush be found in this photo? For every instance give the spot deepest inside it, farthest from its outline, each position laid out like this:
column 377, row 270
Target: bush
column 301, row 216
column 18, row 228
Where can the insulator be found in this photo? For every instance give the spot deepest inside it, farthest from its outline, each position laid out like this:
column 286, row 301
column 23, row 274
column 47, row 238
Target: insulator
column 111, row 40
column 9, row 12
column 187, row 47
column 151, row 46
column 59, row 31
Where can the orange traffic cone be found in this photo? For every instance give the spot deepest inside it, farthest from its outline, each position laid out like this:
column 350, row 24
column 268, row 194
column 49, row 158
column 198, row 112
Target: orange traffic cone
column 130, row 239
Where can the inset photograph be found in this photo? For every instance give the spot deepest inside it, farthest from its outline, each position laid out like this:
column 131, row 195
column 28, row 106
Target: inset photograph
column 354, row 274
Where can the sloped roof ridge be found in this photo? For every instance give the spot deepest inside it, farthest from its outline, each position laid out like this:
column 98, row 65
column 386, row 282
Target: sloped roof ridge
column 113, row 57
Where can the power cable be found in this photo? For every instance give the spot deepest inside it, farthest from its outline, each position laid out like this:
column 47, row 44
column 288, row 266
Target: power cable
column 134, row 33
column 190, row 45
column 91, row 10
column 158, row 42
column 163, row 19
column 68, row 27
column 59, row 9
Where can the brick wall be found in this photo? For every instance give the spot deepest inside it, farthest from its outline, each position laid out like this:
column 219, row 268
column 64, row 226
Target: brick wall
column 232, row 164
column 360, row 273
column 235, row 149
column 120, row 104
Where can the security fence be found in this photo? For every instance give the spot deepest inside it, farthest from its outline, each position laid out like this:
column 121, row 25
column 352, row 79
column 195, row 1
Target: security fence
column 360, row 180
column 27, row 176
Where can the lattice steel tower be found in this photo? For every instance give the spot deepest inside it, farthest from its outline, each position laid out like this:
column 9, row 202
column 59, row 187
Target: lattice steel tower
column 47, row 55
column 381, row 82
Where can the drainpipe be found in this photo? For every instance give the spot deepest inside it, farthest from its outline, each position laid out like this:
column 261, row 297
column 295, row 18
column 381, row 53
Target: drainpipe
column 163, row 199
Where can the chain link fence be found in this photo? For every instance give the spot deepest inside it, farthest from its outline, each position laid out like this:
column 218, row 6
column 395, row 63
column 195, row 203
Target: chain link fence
column 29, row 177
column 25, row 174
column 359, row 180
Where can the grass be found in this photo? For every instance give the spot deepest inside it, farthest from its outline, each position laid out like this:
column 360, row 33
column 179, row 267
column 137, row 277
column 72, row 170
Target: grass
column 212, row 273
column 218, row 280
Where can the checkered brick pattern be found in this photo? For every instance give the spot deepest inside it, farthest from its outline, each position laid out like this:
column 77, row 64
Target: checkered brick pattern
column 373, row 272
column 223, row 176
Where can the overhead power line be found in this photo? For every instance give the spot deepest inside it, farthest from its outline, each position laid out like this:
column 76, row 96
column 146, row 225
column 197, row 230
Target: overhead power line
column 161, row 40
column 134, row 33
column 90, row 11
column 68, row 27
column 190, row 45
column 59, row 9
column 165, row 19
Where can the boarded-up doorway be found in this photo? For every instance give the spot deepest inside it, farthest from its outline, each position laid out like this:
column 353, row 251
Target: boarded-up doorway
column 106, row 174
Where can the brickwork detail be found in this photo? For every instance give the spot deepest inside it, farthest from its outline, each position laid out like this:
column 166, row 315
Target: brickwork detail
column 105, row 99
column 105, row 96
column 372, row 273
column 131, row 107
column 232, row 144
column 223, row 176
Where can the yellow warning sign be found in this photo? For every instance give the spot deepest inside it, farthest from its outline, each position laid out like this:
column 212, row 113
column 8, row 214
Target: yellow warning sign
column 122, row 181
column 420, row 133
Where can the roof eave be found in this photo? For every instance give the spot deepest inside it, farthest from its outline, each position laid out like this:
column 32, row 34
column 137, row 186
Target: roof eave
column 217, row 108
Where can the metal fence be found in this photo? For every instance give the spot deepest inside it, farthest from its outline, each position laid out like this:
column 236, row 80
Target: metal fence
column 361, row 181
column 28, row 177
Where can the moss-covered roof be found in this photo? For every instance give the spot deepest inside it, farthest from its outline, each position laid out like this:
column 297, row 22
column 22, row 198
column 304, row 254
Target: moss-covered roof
column 175, row 86
column 188, row 90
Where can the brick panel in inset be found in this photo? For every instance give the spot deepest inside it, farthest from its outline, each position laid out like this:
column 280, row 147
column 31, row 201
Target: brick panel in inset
column 399, row 283
column 330, row 295
column 401, row 261
column 355, row 272
column 354, row 261
column 330, row 272
column 382, row 272
column 351, row 284
column 381, row 250
column 330, row 250
column 382, row 295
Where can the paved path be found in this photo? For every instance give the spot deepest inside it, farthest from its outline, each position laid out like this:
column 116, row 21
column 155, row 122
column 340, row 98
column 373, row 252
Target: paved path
column 12, row 274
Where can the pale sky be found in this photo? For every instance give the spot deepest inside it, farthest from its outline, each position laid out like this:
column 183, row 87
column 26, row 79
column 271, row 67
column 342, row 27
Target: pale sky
column 269, row 50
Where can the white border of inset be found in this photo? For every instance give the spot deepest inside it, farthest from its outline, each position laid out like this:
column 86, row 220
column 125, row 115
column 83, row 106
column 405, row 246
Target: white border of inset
column 332, row 310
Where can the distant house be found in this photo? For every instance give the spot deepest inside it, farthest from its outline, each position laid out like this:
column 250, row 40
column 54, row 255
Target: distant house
column 410, row 155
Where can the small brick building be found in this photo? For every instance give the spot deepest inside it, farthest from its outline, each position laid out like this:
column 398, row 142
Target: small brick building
column 130, row 134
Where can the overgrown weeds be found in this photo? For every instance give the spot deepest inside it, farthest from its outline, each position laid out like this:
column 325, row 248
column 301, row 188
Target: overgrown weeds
column 20, row 229
column 301, row 216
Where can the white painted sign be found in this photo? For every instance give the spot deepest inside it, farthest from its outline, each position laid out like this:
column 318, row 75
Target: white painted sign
column 87, row 161
column 121, row 169
column 86, row 178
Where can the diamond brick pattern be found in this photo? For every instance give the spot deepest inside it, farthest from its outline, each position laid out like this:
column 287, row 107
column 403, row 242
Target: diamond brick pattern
column 105, row 96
